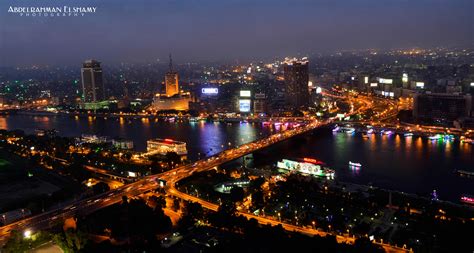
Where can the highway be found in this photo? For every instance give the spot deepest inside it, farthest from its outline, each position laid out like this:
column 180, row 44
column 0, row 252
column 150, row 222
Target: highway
column 92, row 204
column 86, row 206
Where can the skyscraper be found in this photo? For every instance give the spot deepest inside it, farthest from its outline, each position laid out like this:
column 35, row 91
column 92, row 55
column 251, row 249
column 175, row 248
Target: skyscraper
column 92, row 84
column 171, row 81
column 441, row 107
column 296, row 82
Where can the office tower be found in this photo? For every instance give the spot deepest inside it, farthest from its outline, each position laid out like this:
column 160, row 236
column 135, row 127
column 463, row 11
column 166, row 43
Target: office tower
column 171, row 81
column 296, row 82
column 441, row 107
column 92, row 83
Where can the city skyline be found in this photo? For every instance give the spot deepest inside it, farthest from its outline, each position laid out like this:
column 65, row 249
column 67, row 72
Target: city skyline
column 277, row 126
column 228, row 31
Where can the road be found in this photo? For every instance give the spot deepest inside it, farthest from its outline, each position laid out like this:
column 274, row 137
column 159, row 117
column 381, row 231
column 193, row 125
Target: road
column 86, row 206
column 90, row 205
column 272, row 221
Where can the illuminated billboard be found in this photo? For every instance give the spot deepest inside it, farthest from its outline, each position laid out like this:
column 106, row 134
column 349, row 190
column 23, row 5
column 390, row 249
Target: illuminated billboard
column 388, row 94
column 420, row 84
column 405, row 77
column 366, row 80
column 385, row 81
column 472, row 84
column 244, row 105
column 209, row 91
column 245, row 93
column 373, row 85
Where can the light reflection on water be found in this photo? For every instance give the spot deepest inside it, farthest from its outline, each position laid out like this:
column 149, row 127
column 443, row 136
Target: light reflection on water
column 201, row 137
column 410, row 164
column 413, row 164
column 394, row 162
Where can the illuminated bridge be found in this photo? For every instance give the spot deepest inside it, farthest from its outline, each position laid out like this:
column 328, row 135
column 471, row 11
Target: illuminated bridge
column 90, row 205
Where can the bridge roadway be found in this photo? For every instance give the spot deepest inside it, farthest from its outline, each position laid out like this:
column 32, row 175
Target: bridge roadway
column 86, row 206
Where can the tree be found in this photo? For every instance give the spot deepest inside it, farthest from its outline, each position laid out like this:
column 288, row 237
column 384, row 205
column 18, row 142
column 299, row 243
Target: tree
column 237, row 194
column 365, row 245
column 176, row 204
column 78, row 172
column 193, row 210
column 71, row 240
column 172, row 158
column 158, row 201
column 100, row 187
column 18, row 243
column 256, row 184
column 257, row 199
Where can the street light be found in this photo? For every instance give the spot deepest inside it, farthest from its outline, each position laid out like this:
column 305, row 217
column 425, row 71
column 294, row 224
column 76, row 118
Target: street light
column 27, row 234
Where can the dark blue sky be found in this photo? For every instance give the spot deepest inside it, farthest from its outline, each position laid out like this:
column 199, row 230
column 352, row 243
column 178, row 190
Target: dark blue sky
column 194, row 30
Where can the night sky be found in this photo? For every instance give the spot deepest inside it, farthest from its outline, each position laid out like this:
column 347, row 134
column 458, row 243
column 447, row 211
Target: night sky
column 214, row 30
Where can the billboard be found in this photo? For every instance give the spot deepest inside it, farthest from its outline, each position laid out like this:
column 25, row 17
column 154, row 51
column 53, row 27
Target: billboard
column 245, row 93
column 405, row 77
column 373, row 85
column 385, row 81
column 366, row 80
column 244, row 105
column 388, row 94
column 209, row 91
column 420, row 84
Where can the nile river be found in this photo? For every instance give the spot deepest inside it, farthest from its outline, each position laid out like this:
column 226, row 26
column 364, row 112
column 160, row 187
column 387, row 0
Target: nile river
column 414, row 165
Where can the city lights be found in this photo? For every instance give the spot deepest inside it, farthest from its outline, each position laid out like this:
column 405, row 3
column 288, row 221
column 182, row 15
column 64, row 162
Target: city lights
column 229, row 140
column 245, row 93
column 27, row 234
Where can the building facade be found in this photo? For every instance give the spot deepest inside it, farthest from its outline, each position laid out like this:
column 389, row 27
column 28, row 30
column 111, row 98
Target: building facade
column 441, row 107
column 163, row 146
column 171, row 81
column 296, row 77
column 92, row 82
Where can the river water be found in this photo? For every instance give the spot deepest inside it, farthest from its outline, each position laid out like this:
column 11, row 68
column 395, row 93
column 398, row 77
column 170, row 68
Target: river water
column 415, row 165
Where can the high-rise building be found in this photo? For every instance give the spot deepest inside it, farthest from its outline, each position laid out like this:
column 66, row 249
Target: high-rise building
column 171, row 81
column 92, row 83
column 259, row 103
column 441, row 107
column 296, row 81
